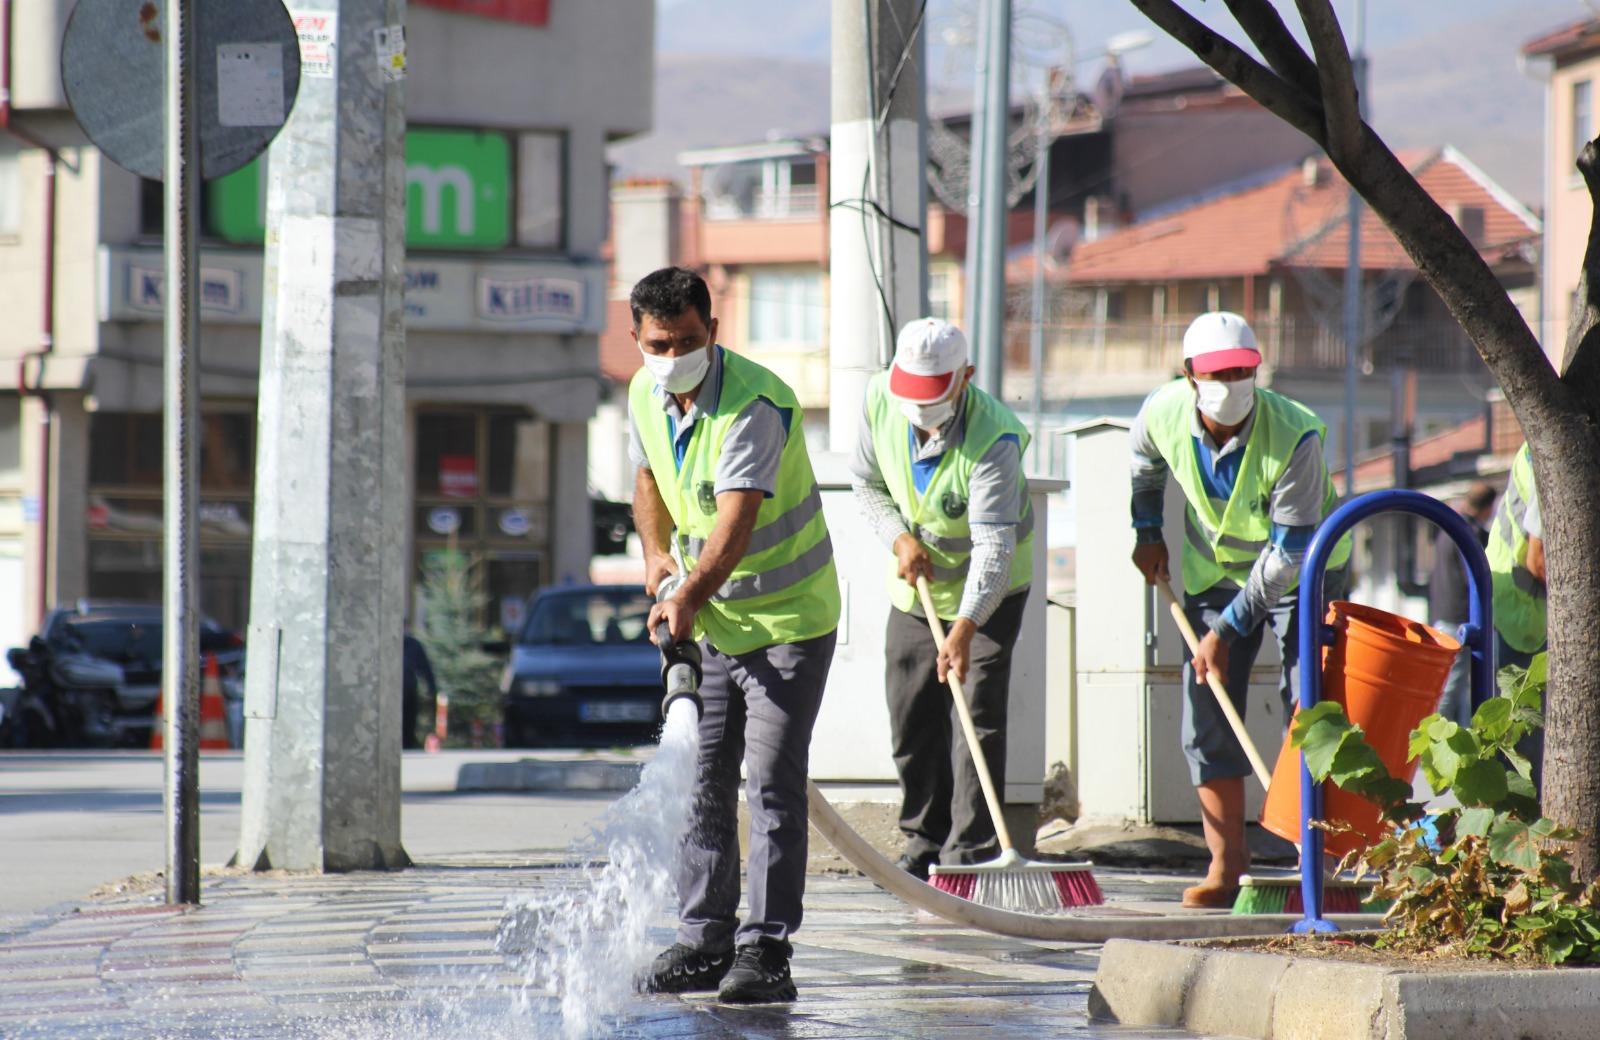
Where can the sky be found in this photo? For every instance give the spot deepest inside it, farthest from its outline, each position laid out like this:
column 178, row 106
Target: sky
column 799, row 29
column 1443, row 71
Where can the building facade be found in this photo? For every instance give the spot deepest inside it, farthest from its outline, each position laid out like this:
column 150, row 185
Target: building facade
column 1572, row 54
column 507, row 210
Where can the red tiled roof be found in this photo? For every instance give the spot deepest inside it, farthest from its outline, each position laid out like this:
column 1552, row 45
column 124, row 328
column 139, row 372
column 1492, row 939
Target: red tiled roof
column 1577, row 35
column 1270, row 225
column 1375, row 468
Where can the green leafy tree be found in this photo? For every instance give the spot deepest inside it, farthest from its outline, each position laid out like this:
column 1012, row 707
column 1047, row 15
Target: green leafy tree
column 1491, row 877
column 453, row 605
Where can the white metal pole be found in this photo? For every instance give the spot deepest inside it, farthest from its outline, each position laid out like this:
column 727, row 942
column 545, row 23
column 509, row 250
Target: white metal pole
column 1041, row 226
column 988, row 336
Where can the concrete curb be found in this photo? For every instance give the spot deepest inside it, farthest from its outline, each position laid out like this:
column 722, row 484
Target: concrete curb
column 533, row 774
column 1265, row 996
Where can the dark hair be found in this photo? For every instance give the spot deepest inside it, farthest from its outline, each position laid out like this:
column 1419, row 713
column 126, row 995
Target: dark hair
column 1480, row 497
column 668, row 293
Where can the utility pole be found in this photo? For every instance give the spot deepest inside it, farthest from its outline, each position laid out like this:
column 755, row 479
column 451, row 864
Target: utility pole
column 877, row 197
column 987, row 198
column 1041, row 227
column 322, row 756
column 1352, row 269
column 180, row 671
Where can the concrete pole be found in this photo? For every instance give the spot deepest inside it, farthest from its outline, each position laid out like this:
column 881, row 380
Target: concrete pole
column 877, row 139
column 988, row 325
column 180, row 615
column 322, row 755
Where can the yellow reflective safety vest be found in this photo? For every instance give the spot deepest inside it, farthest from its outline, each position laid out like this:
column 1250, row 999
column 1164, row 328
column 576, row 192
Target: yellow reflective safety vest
column 785, row 589
column 1224, row 539
column 937, row 516
column 1519, row 597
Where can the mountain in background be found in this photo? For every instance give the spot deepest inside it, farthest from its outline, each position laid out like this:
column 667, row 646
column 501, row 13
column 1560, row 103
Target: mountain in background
column 731, row 72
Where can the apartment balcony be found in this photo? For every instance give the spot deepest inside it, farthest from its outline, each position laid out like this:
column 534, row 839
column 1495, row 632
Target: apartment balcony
column 1125, row 358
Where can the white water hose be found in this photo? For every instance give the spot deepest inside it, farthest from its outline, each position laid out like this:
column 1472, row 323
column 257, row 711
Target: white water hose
column 1087, row 928
column 1059, row 928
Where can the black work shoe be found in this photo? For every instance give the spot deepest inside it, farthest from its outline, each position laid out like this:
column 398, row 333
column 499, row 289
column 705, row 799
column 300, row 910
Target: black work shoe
column 760, row 974
column 916, row 866
column 682, row 968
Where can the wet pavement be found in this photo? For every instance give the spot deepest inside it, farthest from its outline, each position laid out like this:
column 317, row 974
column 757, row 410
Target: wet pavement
column 412, row 955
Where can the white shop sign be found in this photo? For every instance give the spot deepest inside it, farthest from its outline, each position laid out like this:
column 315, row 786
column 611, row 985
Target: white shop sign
column 447, row 294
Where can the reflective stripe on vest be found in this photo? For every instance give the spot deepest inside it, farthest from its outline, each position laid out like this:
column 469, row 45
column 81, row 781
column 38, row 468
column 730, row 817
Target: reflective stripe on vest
column 763, row 538
column 785, row 588
column 937, row 515
column 1520, row 607
column 1223, row 545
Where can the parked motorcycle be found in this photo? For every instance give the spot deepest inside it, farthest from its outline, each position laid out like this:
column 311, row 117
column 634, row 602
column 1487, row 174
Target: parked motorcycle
column 25, row 720
column 93, row 676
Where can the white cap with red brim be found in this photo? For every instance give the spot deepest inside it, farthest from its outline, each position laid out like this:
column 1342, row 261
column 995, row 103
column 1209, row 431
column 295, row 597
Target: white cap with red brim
column 1218, row 341
column 927, row 355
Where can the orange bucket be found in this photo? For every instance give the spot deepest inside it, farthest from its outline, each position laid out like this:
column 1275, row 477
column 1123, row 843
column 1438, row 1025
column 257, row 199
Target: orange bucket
column 1388, row 672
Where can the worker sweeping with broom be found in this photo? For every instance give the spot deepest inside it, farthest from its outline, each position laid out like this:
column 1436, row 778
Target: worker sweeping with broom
column 1249, row 462
column 938, row 475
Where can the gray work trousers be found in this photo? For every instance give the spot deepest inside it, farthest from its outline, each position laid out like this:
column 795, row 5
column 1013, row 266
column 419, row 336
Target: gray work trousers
column 1208, row 741
column 942, row 811
column 759, row 708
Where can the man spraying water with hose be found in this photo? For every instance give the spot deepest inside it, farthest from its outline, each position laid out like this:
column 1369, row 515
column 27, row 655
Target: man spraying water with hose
column 1249, row 462
column 723, row 475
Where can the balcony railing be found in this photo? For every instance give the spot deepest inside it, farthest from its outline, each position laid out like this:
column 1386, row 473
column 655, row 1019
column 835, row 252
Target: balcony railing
column 795, row 204
column 1289, row 345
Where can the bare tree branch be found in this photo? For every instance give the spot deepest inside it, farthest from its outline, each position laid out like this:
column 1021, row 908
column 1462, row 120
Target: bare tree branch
column 1340, row 102
column 1288, row 102
column 1266, row 29
column 1580, row 361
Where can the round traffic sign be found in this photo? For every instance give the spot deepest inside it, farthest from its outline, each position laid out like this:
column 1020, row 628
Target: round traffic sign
column 246, row 76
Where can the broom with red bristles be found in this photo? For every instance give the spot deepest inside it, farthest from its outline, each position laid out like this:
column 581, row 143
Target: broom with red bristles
column 1008, row 882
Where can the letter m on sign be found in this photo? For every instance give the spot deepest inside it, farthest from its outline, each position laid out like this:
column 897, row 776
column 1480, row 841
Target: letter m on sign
column 528, row 12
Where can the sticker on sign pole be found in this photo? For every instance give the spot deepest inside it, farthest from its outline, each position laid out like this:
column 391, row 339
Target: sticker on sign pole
column 319, row 42
column 391, row 48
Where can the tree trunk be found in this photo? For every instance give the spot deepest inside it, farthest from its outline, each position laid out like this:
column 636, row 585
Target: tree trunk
column 1566, row 464
column 1567, row 467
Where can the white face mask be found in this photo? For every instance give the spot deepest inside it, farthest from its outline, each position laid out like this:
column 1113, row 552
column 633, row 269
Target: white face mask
column 679, row 375
column 1226, row 403
column 928, row 417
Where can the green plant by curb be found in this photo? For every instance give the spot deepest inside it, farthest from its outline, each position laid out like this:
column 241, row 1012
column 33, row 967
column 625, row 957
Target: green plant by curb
column 1491, row 878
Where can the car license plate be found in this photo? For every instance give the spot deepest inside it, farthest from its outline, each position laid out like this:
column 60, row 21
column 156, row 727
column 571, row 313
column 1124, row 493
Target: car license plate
column 616, row 711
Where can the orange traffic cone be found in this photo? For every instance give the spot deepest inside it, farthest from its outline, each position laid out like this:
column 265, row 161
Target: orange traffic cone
column 158, row 724
column 213, row 714
column 441, row 723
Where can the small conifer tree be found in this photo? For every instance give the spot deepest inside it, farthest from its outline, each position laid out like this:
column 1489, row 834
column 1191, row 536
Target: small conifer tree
column 453, row 603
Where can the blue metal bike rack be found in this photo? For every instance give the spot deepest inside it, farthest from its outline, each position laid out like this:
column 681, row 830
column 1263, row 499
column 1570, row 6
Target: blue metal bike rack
column 1315, row 633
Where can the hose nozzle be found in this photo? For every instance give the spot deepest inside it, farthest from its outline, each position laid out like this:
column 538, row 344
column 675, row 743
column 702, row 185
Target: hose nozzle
column 680, row 660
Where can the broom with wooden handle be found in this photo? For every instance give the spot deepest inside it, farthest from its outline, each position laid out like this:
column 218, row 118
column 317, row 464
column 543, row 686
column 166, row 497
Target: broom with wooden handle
column 1217, row 689
column 1265, row 895
column 1009, row 881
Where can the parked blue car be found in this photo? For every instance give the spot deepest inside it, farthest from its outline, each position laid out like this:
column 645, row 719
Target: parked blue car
column 583, row 670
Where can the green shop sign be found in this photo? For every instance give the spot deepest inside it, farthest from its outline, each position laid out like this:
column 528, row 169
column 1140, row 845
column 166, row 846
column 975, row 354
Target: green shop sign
column 458, row 193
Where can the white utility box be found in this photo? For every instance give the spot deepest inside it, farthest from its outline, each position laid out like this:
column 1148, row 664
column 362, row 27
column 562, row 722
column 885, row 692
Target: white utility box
column 1130, row 653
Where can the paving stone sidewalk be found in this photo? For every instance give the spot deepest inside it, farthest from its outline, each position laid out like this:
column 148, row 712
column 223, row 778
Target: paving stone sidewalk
column 411, row 955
